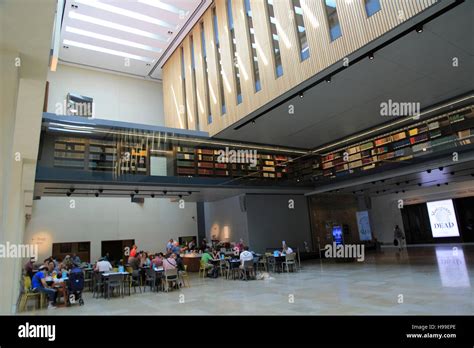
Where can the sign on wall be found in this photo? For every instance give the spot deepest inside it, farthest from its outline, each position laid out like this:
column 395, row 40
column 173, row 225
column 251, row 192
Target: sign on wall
column 443, row 219
column 363, row 224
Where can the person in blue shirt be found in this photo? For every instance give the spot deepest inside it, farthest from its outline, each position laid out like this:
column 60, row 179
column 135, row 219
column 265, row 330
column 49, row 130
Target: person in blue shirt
column 38, row 283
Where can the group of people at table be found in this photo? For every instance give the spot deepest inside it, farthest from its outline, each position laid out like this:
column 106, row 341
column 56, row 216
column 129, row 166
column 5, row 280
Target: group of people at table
column 45, row 277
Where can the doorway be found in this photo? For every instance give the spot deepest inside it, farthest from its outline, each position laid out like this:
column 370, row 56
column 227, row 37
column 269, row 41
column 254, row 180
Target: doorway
column 116, row 249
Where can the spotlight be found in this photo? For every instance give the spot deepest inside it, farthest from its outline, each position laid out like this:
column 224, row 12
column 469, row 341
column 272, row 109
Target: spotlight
column 253, row 121
column 136, row 191
column 96, row 194
column 152, row 195
column 407, row 182
column 373, row 182
column 452, row 173
column 301, row 95
column 180, row 196
column 72, row 190
column 419, row 184
column 403, row 191
column 190, row 193
column 328, row 79
column 165, row 192
column 396, row 192
column 353, row 192
column 101, row 190
column 419, row 28
column 68, row 194
column 438, row 185
column 472, row 174
column 371, row 56
column 446, row 183
column 377, row 192
column 382, row 180
column 398, row 184
column 428, row 171
column 440, row 169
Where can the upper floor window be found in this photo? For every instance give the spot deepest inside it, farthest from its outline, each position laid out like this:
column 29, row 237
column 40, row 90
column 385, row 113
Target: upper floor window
column 300, row 27
column 230, row 20
column 206, row 73
column 372, row 6
column 333, row 19
column 256, row 72
column 220, row 73
column 275, row 39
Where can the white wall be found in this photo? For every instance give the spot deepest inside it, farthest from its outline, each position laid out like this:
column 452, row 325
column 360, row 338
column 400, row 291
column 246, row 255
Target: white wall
column 96, row 219
column 116, row 97
column 226, row 220
column 385, row 213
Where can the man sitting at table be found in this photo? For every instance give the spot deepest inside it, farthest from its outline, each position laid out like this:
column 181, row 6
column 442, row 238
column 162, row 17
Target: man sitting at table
column 39, row 284
column 205, row 258
column 246, row 255
column 103, row 265
column 170, row 262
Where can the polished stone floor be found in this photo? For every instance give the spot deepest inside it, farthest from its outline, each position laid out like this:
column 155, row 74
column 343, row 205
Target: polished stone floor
column 421, row 280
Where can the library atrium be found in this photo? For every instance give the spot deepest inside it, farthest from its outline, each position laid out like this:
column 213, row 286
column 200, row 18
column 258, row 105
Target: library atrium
column 237, row 157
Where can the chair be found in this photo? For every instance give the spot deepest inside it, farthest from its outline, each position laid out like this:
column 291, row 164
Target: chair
column 88, row 279
column 28, row 294
column 150, row 278
column 289, row 261
column 97, row 284
column 115, row 269
column 114, row 282
column 203, row 269
column 135, row 281
column 171, row 276
column 185, row 277
column 262, row 263
column 248, row 271
column 233, row 269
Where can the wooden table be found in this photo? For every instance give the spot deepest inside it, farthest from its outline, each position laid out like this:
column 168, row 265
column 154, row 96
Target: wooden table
column 192, row 262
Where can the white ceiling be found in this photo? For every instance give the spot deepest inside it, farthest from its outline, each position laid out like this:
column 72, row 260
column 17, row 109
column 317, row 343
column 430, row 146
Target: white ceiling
column 125, row 36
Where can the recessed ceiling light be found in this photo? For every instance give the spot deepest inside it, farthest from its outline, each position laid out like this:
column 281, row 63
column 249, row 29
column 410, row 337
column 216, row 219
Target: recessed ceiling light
column 126, row 13
column 111, row 39
column 116, row 26
column 106, row 50
column 164, row 6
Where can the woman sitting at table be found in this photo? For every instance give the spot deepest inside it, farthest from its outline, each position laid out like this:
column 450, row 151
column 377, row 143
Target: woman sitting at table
column 215, row 254
column 144, row 260
column 158, row 260
column 170, row 262
column 38, row 284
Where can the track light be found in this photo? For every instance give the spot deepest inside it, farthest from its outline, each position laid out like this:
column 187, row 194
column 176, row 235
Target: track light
column 407, row 182
column 96, row 194
column 253, row 121
column 398, row 184
column 419, row 28
column 403, row 191
column 446, row 183
column 328, row 79
column 180, row 196
column 165, row 192
column 68, row 194
column 371, row 56
column 396, row 192
column 101, row 190
column 136, row 191
column 428, row 171
column 438, row 185
column 452, row 173
column 440, row 169
column 419, row 184
column 301, row 95
column 190, row 193
column 377, row 192
column 152, row 195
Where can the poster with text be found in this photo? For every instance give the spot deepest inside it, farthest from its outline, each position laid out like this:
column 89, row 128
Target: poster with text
column 363, row 225
column 443, row 219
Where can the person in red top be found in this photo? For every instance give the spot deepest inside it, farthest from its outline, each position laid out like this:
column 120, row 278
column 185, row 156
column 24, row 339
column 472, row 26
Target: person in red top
column 133, row 252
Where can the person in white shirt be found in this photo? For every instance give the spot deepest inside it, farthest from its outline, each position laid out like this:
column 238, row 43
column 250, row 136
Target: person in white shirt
column 246, row 255
column 285, row 250
column 103, row 266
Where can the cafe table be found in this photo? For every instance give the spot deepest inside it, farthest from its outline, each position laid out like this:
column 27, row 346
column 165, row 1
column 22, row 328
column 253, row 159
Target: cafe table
column 107, row 275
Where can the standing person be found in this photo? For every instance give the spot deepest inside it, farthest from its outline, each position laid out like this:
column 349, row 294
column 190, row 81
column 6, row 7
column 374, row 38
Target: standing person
column 133, row 252
column 169, row 245
column 398, row 237
column 203, row 244
column 38, row 283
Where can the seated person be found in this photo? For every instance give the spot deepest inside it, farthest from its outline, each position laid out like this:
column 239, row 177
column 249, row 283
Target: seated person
column 103, row 265
column 38, row 284
column 158, row 260
column 134, row 262
column 215, row 254
column 29, row 266
column 170, row 262
column 144, row 260
column 205, row 258
column 179, row 262
column 286, row 250
column 246, row 255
